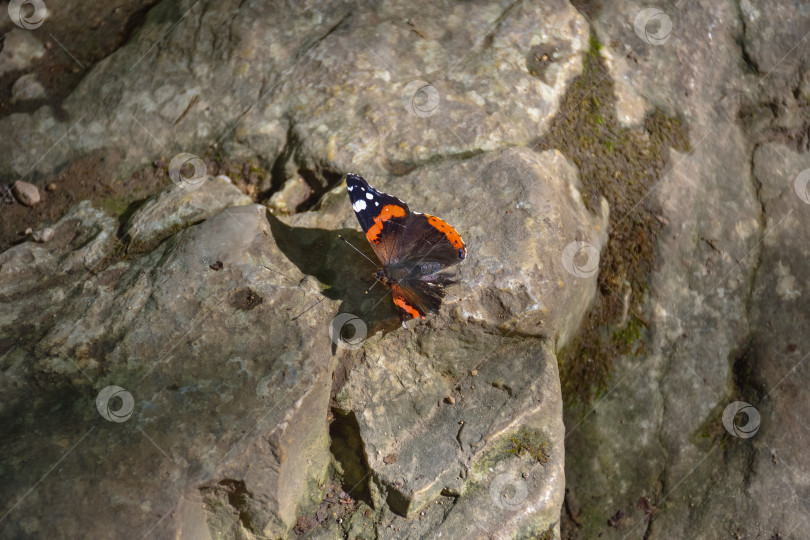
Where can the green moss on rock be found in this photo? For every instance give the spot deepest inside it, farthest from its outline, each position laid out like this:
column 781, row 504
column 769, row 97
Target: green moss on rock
column 623, row 165
column 531, row 442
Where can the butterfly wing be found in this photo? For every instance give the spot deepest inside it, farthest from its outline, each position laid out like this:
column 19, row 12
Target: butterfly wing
column 428, row 246
column 428, row 239
column 416, row 247
column 382, row 217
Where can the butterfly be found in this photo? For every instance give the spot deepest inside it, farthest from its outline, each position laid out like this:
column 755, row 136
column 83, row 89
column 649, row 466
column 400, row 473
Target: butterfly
column 413, row 248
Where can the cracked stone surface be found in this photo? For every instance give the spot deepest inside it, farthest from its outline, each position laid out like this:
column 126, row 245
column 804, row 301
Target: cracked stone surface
column 222, row 74
column 213, row 405
column 217, row 323
column 216, row 320
column 724, row 300
column 437, row 409
column 179, row 207
column 235, row 430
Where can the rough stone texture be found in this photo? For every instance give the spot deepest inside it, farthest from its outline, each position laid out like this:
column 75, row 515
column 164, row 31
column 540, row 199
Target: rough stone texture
column 294, row 193
column 413, row 395
column 180, row 206
column 429, row 428
column 290, row 84
column 232, row 426
column 27, row 87
column 27, row 194
column 719, row 295
column 19, row 48
column 231, row 367
column 215, row 409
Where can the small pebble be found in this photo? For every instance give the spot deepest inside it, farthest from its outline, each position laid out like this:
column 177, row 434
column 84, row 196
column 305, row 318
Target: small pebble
column 474, row 372
column 26, row 193
column 51, row 187
column 29, row 230
column 44, row 235
column 450, row 400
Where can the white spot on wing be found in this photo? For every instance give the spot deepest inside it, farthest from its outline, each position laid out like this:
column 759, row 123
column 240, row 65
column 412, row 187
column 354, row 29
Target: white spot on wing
column 376, row 203
column 369, row 196
column 359, row 205
column 349, row 188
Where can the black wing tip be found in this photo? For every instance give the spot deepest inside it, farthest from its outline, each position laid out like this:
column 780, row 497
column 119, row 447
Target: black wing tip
column 355, row 177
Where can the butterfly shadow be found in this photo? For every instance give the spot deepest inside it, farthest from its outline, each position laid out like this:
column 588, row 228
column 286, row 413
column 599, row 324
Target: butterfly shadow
column 345, row 274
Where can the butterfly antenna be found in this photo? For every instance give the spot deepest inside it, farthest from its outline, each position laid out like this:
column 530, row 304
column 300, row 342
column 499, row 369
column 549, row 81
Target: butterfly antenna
column 372, row 286
column 358, row 251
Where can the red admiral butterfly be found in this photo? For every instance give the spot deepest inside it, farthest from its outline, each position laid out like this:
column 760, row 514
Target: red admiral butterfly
column 414, row 248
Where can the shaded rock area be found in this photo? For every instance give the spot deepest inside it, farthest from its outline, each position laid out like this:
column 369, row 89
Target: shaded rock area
column 650, row 456
column 188, row 339
column 176, row 335
column 288, row 86
column 464, row 408
column 195, row 353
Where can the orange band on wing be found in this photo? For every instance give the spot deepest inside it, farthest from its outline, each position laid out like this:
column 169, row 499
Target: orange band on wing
column 410, row 310
column 389, row 211
column 448, row 231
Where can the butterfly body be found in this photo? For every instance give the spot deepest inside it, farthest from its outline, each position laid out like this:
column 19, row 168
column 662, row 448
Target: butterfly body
column 415, row 249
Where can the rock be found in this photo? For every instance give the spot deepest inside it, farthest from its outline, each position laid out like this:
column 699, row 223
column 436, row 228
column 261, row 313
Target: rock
column 89, row 239
column 26, row 193
column 222, row 419
column 26, row 88
column 413, row 395
column 19, row 49
column 301, row 113
column 44, row 235
column 725, row 277
column 217, row 323
column 51, row 187
column 179, row 206
column 294, row 192
column 201, row 415
column 448, row 93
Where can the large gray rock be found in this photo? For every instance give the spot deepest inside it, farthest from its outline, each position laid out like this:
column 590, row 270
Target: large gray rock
column 289, row 76
column 224, row 396
column 184, row 204
column 717, row 295
column 439, row 409
column 221, row 340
